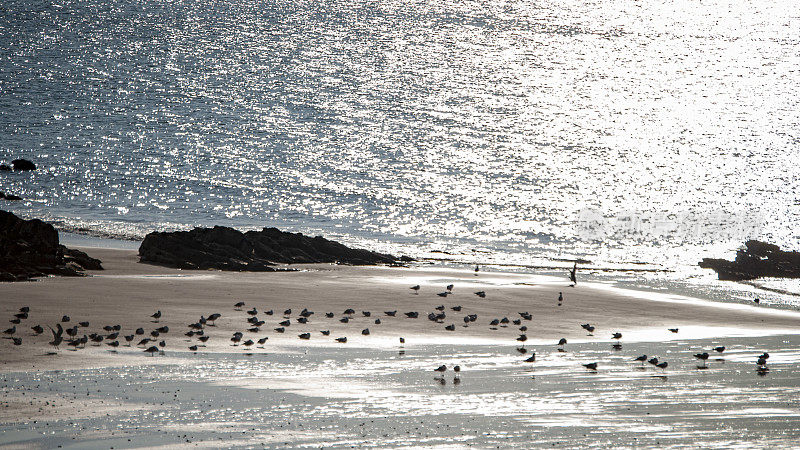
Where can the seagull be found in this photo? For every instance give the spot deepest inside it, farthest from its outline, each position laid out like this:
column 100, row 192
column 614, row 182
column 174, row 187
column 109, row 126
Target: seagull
column 415, row 288
column 719, row 349
column 12, row 330
column 280, row 329
column 156, row 316
column 662, row 365
column 269, row 313
column 248, row 343
column 481, row 294
column 252, row 312
column 443, row 294
column 204, row 338
column 326, row 332
column 304, row 336
column 365, row 331
column 412, row 315
column 653, row 360
column 439, row 308
column 262, row 341
column 573, row 274
column 450, row 288
column 238, row 306
column 641, row 359
column 152, row 350
column 285, row 323
column 532, row 358
column 674, row 330
column 213, row 318
column 522, row 338
column 344, row 319
column 617, row 336
column 329, row 315
column 366, row 313
column 143, row 342
column 591, row 366
column 341, row 340
column 287, row 312
column 57, row 336
column 390, row 313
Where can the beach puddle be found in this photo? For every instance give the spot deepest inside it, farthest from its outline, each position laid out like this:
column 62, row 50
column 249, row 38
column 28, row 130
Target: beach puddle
column 342, row 397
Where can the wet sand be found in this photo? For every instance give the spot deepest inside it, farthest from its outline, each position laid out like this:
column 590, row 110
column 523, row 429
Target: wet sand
column 343, row 386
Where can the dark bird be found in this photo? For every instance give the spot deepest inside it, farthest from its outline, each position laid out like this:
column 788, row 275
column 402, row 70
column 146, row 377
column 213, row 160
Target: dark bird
column 457, row 370
column 443, row 294
column 213, row 318
column 306, row 313
column 526, row 316
column 236, row 338
column 108, row 328
column 114, row 344
column 590, row 329
column 252, row 312
column 764, row 355
column 248, row 343
column 154, row 333
column 415, row 289
column 662, row 365
column 83, row 324
column 15, row 321
column 591, row 366
column 143, row 342
column 16, row 340
column 254, row 329
column 304, row 336
column 128, row 339
column 38, row 329
column 57, row 336
column 450, row 327
column 287, row 312
column 365, row 331
column 302, row 320
column 156, row 316
column 523, row 328
column 11, row 330
column 481, row 294
column 641, row 359
column 402, row 340
column 110, row 337
column 390, row 313
column 262, row 341
column 162, row 344
column 280, row 329
column 204, row 338
column 65, row 318
column 341, row 340
column 25, row 309
column 269, row 313
column 193, row 348
column 140, row 331
column 344, row 319
column 504, row 321
column 617, row 336
column 439, row 308
column 412, row 315
column 494, row 322
column 349, row 311
column 329, row 315
column 517, row 322
column 757, row 300
column 377, row 321
column 522, row 338
column 719, row 349
column 238, row 305
column 440, row 369
column 152, row 350
column 653, row 360
column 366, row 313
column 449, row 288
column 702, row 357
column 674, row 330
column 326, row 332
column 532, row 358
column 285, row 323
column 477, row 269
column 573, row 274
column 164, row 329
column 761, row 361
column 21, row 316
column 562, row 342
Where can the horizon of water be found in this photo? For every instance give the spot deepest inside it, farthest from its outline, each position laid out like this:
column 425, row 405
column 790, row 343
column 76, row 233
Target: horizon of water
column 632, row 135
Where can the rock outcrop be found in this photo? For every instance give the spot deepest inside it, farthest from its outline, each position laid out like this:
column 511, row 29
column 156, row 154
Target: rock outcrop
column 757, row 260
column 23, row 165
column 30, row 249
column 225, row 248
column 4, row 196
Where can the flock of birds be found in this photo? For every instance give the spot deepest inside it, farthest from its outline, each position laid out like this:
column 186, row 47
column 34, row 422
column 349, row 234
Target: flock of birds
column 153, row 341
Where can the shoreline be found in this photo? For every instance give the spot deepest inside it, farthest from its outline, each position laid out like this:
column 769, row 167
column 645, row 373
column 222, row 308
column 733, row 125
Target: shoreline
column 128, row 292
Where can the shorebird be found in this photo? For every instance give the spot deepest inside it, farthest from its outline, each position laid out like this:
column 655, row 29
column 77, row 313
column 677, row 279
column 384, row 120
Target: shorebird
column 391, row 313
column 562, row 342
column 248, row 343
column 702, row 357
column 412, row 315
column 457, row 370
column 21, row 316
column 440, row 369
column 154, row 333
column 107, row 328
column 65, row 318
column 532, row 358
column 162, row 344
column 450, row 288
column 494, row 322
column 114, row 344
column 17, row 340
column 302, row 320
column 443, row 294
column 254, row 330
column 140, row 331
column 415, row 288
column 287, row 312
column 522, row 338
column 83, row 324
column 757, row 300
column 573, row 274
column 57, row 336
column 366, row 313
column 305, row 336
column 341, row 340
column 617, row 336
column 674, row 330
column 590, row 329
column 269, row 313
column 128, row 339
column 365, row 331
column 662, row 365
column 377, row 321
column 349, row 311
column 110, row 337
column 402, row 340
column 279, row 329
column 25, row 309
column 204, row 338
column 213, row 318
column 560, row 298
column 450, row 327
column 456, row 308
column 477, row 269
column 719, row 349
column 526, row 315
column 439, row 308
column 11, row 330
column 143, row 342
column 653, row 360
column 591, row 366
column 344, row 319
column 15, row 321
column 236, row 338
column 38, row 329
column 238, row 306
column 262, row 341
column 285, row 323
column 329, row 315
column 523, row 328
column 193, row 348
column 326, row 332
column 156, row 316
column 641, row 359
column 152, row 350
column 481, row 294
column 252, row 312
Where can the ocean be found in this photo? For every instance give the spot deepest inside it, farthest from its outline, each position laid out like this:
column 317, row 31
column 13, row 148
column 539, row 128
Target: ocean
column 638, row 136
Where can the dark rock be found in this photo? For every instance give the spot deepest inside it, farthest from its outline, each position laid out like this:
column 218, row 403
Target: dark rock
column 23, row 164
column 30, row 249
column 758, row 259
column 5, row 168
column 4, row 196
column 224, row 248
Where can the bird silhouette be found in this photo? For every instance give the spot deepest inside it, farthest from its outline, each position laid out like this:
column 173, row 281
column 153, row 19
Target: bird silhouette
column 591, row 366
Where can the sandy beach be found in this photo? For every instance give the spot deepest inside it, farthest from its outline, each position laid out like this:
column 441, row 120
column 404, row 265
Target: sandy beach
column 389, row 381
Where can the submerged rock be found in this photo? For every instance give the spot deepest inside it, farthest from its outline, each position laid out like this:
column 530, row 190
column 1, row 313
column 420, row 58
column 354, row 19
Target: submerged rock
column 225, row 248
column 758, row 259
column 30, row 248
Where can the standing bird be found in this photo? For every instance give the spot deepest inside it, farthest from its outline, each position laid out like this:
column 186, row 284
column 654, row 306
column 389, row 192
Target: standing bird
column 57, row 336
column 156, row 316
column 562, row 342
column 11, row 330
column 662, row 365
column 573, row 275
column 702, row 357
column 238, row 306
column 38, row 329
column 213, row 318
column 532, row 358
column 522, row 338
column 477, row 269
column 193, row 348
column 591, row 366
column 450, row 288
column 152, row 350
column 415, row 288
column 440, row 369
column 342, row 340
column 719, row 349
column 481, row 294
column 128, row 339
column 641, row 359
column 560, row 298
column 252, row 312
column 674, row 330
